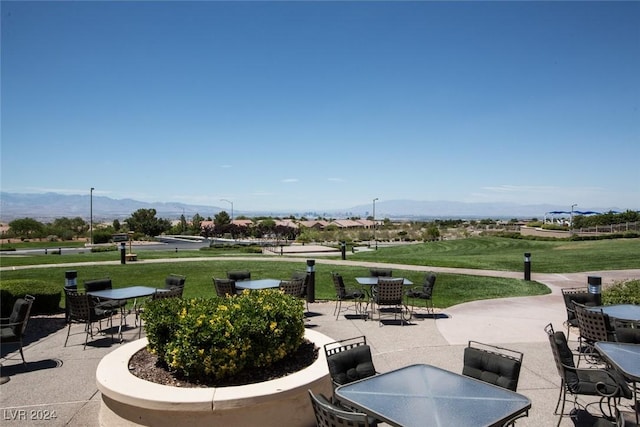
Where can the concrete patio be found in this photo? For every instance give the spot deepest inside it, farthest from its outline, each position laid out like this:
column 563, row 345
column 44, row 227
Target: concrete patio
column 59, row 382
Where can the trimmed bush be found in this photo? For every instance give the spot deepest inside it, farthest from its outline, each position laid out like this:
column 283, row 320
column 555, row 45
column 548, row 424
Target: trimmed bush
column 47, row 295
column 217, row 338
column 622, row 293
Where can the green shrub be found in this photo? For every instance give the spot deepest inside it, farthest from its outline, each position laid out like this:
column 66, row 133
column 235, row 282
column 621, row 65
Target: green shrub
column 627, row 292
column 217, row 338
column 110, row 248
column 47, row 295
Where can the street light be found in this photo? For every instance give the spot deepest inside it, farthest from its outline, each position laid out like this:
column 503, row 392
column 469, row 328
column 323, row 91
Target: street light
column 571, row 219
column 231, row 203
column 91, row 215
column 375, row 225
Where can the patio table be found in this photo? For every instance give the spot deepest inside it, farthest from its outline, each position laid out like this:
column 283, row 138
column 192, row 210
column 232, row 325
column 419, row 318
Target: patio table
column 625, row 358
column 420, row 395
column 372, row 281
column 258, row 284
column 123, row 294
column 619, row 311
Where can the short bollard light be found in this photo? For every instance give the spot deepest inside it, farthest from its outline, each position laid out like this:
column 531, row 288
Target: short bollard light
column 311, row 280
column 123, row 257
column 527, row 266
column 595, row 288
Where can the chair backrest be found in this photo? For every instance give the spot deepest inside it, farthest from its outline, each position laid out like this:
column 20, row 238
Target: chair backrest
column 428, row 284
column 329, row 415
column 238, row 275
column 304, row 277
column 174, row 280
column 224, row 287
column 491, row 364
column 79, row 306
column 349, row 360
column 20, row 315
column 389, row 291
column 380, row 272
column 292, row 287
column 627, row 331
column 97, row 284
column 174, row 292
column 594, row 325
column 579, row 295
column 562, row 356
column 338, row 283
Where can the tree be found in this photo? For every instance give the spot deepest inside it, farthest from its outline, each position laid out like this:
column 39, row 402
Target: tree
column 196, row 224
column 116, row 225
column 222, row 223
column 144, row 221
column 26, row 228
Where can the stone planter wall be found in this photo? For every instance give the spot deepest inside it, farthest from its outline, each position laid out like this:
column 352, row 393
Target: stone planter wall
column 130, row 401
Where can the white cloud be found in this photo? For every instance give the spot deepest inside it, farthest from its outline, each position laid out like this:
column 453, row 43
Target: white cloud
column 290, row 180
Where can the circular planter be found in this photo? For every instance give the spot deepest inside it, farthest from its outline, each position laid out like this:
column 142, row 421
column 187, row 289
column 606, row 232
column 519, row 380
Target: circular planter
column 130, row 401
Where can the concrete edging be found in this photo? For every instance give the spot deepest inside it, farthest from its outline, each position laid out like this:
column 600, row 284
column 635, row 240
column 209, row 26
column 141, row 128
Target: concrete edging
column 129, row 400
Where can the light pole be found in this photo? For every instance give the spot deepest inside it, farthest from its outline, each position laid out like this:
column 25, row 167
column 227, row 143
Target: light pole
column 231, row 203
column 91, row 216
column 571, row 219
column 375, row 225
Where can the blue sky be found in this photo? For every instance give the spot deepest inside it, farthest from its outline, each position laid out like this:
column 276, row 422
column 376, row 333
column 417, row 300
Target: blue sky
column 323, row 105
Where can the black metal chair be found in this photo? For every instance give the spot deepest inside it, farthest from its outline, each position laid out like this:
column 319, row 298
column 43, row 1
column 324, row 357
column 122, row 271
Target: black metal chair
column 84, row 310
column 349, row 360
column 594, row 326
column 424, row 293
column 380, row 272
column 292, row 287
column 571, row 295
column 346, row 294
column 302, row 275
column 329, row 415
column 238, row 275
column 389, row 292
column 606, row 383
column 225, row 287
column 492, row 364
column 627, row 331
column 12, row 328
column 174, row 280
column 100, row 285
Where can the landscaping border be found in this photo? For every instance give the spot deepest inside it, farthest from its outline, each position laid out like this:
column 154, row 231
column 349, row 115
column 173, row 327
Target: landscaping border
column 131, row 401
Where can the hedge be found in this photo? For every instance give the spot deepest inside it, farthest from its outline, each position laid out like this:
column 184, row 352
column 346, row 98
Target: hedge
column 47, row 295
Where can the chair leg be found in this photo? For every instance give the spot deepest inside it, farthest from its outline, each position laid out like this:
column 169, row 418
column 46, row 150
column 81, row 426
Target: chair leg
column 22, row 354
column 68, row 332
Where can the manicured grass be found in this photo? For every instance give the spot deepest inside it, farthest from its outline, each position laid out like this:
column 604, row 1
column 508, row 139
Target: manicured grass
column 492, row 253
column 496, row 253
column 451, row 288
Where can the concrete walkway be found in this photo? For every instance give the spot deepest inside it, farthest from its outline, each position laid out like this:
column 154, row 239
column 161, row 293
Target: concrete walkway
column 60, row 381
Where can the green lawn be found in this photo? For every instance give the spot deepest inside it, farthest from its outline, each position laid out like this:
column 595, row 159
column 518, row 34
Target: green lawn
column 451, row 288
column 480, row 253
column 496, row 253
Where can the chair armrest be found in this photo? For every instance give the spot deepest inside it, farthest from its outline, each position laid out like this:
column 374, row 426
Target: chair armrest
column 11, row 324
column 601, row 387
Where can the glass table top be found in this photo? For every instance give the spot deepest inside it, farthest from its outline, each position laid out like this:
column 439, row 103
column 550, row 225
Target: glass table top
column 625, row 357
column 620, row 311
column 420, row 395
column 129, row 292
column 370, row 281
column 258, row 284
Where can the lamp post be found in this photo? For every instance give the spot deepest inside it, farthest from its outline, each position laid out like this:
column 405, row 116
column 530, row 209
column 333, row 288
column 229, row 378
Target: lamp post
column 231, row 203
column 571, row 219
column 91, row 216
column 375, row 225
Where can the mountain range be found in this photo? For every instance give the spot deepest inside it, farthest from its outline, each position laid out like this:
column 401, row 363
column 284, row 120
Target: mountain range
column 48, row 206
